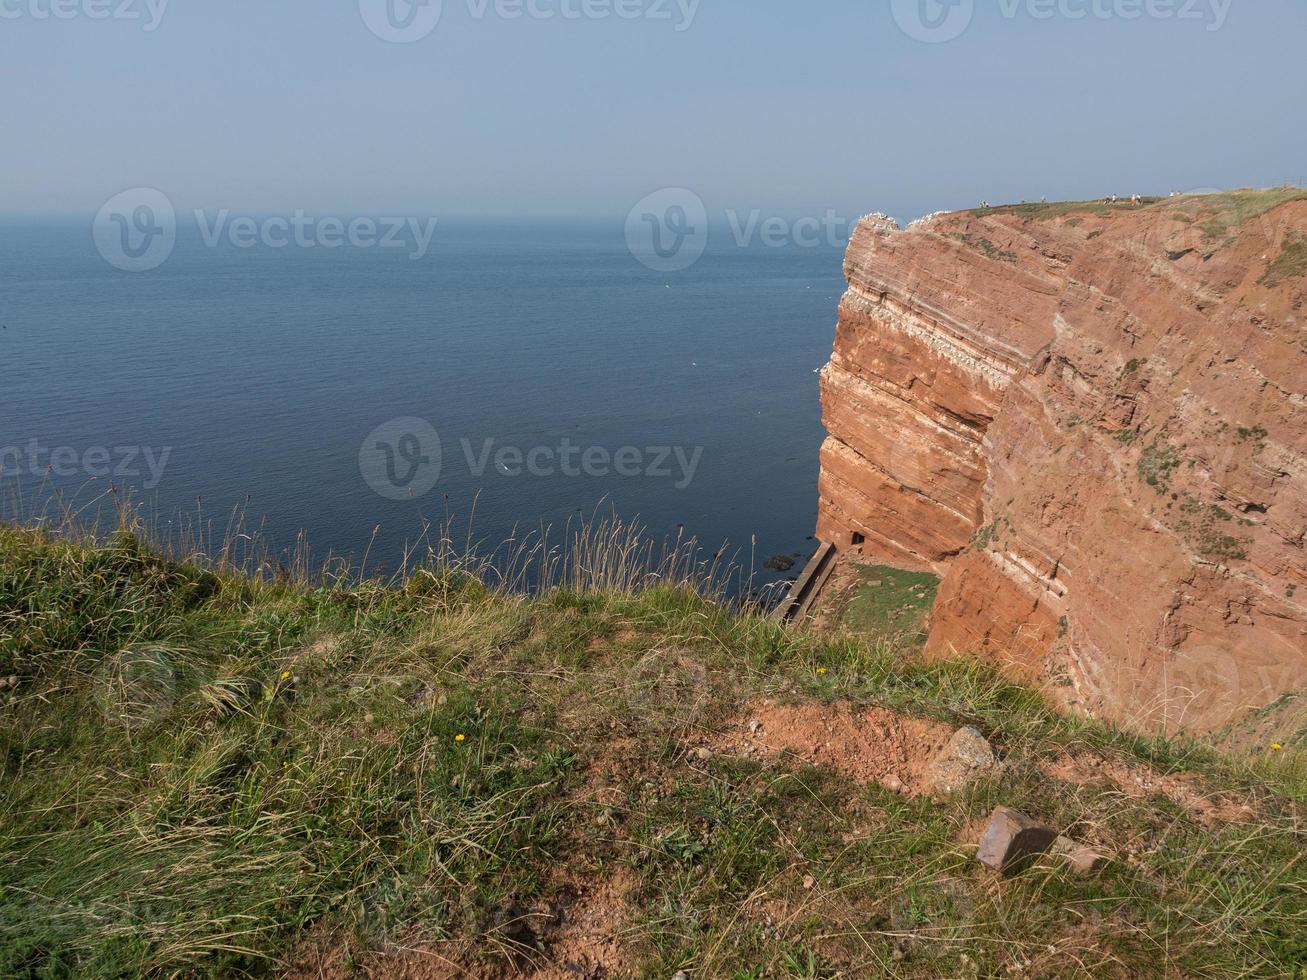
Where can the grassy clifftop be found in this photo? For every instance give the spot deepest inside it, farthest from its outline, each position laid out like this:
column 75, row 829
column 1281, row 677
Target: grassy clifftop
column 1218, row 211
column 209, row 774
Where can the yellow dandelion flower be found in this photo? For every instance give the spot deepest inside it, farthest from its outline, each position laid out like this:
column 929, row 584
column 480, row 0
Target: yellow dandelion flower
column 285, row 675
column 821, row 670
column 460, row 738
column 1277, row 746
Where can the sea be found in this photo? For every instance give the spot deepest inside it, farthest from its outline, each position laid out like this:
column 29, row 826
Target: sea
column 514, row 374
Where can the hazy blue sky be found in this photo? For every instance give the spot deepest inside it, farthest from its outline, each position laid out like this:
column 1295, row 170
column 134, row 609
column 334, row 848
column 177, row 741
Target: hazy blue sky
column 790, row 105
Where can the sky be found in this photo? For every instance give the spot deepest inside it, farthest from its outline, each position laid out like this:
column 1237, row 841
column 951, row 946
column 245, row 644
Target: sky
column 555, row 108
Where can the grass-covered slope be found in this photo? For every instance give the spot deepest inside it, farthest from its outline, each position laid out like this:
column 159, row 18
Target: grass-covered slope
column 210, row 775
column 1219, row 212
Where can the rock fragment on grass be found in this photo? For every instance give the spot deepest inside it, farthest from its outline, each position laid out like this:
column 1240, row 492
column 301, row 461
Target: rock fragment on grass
column 966, row 757
column 1081, row 858
column 1012, row 840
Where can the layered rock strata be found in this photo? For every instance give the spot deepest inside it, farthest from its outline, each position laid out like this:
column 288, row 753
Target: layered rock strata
column 1091, row 421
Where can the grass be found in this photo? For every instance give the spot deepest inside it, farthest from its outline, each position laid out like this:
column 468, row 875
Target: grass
column 1203, row 525
column 1219, row 215
column 891, row 602
column 1216, row 214
column 986, row 248
column 208, row 773
column 1291, row 263
column 1059, row 209
column 1157, row 463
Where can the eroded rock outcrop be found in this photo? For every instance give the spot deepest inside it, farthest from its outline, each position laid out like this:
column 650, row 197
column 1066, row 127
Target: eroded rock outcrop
column 1091, row 421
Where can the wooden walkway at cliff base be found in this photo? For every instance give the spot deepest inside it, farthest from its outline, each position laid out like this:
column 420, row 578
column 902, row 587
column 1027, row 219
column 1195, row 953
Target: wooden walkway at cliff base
column 798, row 603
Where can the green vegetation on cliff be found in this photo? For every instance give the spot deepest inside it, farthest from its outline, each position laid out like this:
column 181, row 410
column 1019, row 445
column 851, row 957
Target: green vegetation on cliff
column 211, row 774
column 1218, row 214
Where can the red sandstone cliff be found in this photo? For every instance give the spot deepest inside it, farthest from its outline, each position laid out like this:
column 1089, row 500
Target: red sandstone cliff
column 1092, row 422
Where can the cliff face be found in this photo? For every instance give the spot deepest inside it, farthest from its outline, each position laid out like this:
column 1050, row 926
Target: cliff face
column 1091, row 422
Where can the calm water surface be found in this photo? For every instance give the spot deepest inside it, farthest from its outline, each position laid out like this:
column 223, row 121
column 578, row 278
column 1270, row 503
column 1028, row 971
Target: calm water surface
column 262, row 371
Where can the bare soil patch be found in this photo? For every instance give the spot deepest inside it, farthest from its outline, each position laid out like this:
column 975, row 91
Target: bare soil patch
column 589, row 937
column 864, row 744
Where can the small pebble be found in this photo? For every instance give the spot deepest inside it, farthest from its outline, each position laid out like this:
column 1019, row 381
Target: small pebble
column 808, row 882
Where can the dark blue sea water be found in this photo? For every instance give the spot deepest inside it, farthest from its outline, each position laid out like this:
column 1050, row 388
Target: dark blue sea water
column 261, row 372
